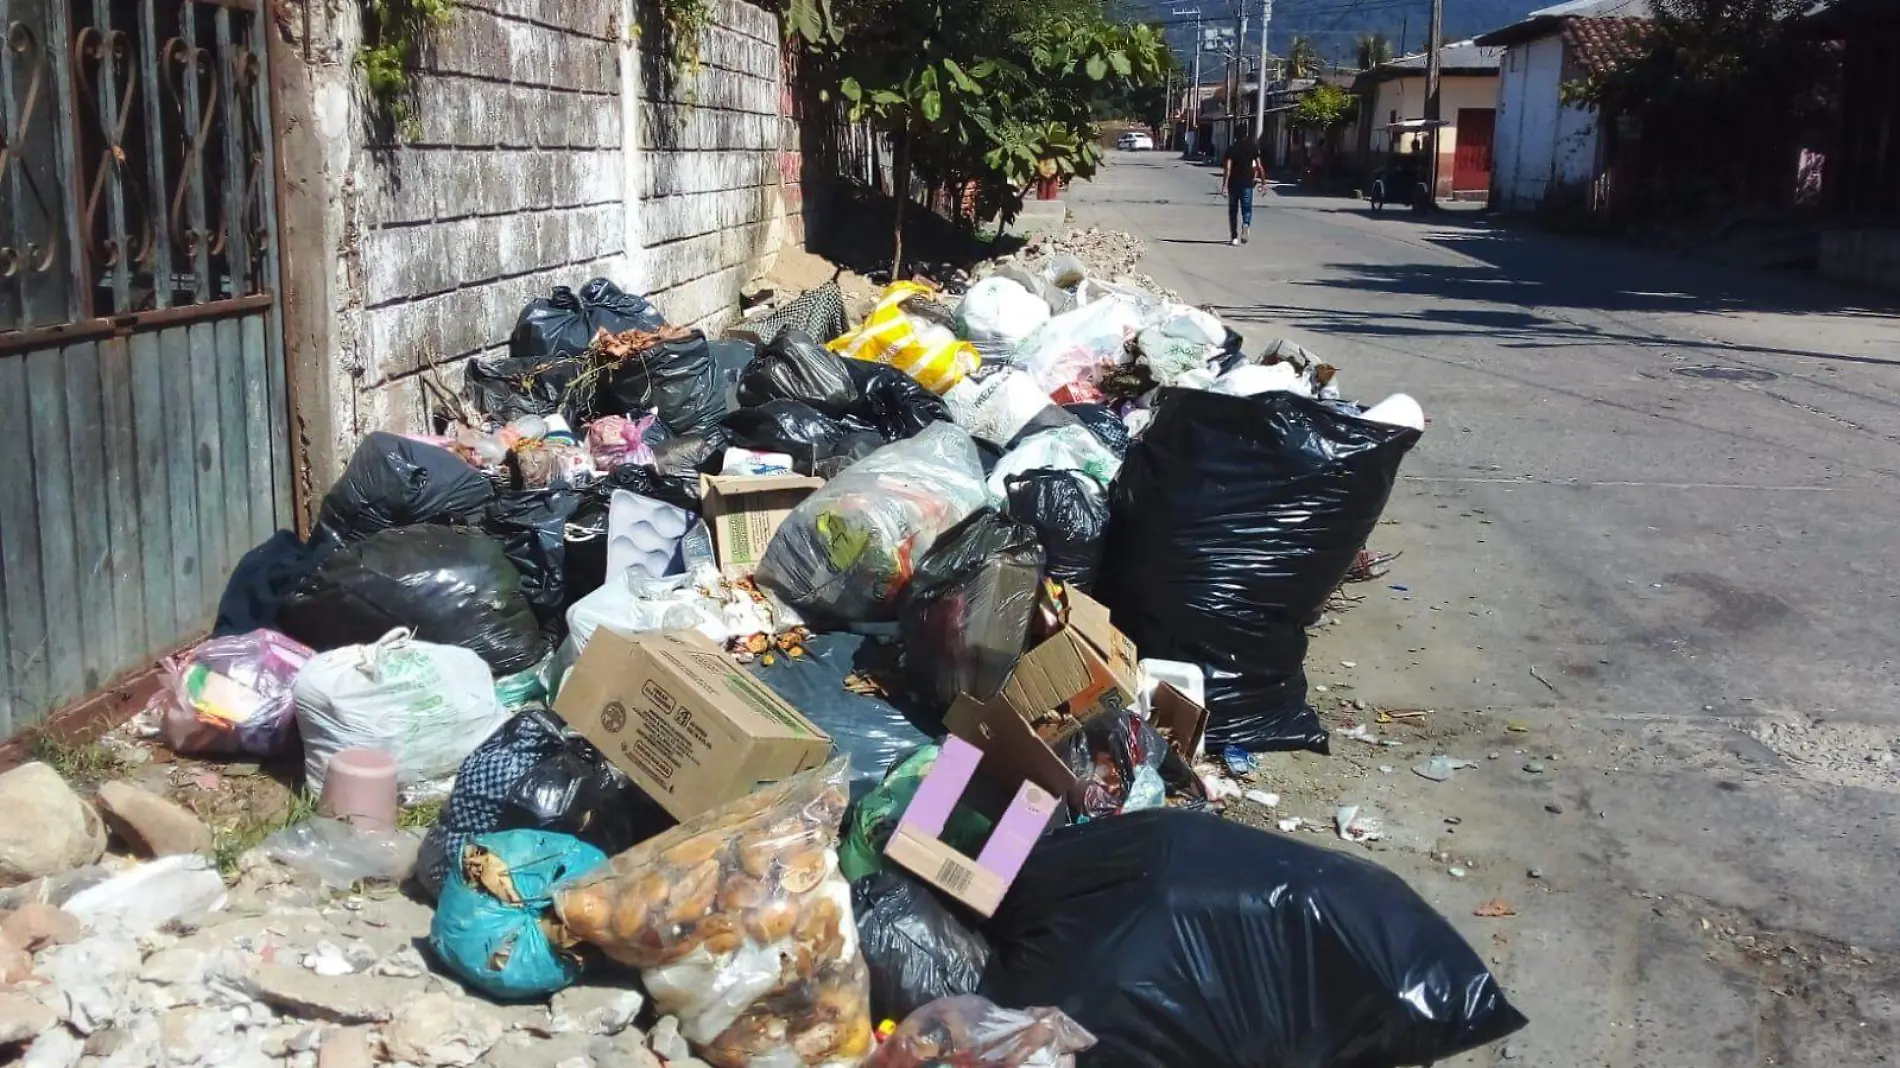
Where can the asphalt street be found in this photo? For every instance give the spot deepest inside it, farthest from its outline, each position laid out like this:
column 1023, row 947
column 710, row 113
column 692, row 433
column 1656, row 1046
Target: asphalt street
column 1649, row 547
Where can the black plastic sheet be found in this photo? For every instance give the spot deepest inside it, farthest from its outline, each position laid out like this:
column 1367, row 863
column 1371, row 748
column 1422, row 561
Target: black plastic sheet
column 965, row 614
column 818, row 444
column 915, row 947
column 795, row 367
column 874, row 732
column 1180, row 938
column 532, row 528
column 678, row 379
column 1230, row 523
column 453, row 586
column 1102, row 421
column 563, row 323
column 393, row 481
column 1069, row 513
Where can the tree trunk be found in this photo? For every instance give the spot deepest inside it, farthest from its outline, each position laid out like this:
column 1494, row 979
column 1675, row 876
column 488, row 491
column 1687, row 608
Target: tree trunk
column 900, row 194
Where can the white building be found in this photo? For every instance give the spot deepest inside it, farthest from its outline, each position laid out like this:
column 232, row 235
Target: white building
column 1545, row 151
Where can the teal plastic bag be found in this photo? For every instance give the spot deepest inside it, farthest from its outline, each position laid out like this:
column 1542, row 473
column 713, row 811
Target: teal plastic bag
column 487, row 926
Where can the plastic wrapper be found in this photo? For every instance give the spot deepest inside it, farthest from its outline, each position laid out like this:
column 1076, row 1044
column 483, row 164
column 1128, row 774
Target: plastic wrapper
column 535, row 774
column 451, row 586
column 634, row 604
column 1170, row 359
column 970, row 1032
column 1077, row 346
column 1181, row 938
column 426, row 705
column 892, row 403
column 1122, row 764
column 1067, row 448
column 341, row 855
column 1069, row 512
column 874, row 818
column 965, row 614
column 393, row 481
column 676, row 378
column 1001, row 407
column 504, row 388
column 925, row 350
column 915, row 947
column 794, row 367
column 495, row 926
column 848, row 550
column 1232, row 521
column 818, row 444
column 741, row 927
column 875, row 731
column 997, row 314
column 563, row 324
column 531, row 526
column 1106, row 425
column 231, row 695
column 613, row 440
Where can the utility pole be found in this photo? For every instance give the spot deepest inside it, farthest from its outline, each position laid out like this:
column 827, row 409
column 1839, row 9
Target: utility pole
column 1194, row 90
column 1432, row 102
column 1260, row 95
column 1240, row 71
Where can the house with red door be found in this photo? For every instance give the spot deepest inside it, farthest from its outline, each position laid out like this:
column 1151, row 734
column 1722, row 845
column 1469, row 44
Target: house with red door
column 1392, row 115
column 1546, row 153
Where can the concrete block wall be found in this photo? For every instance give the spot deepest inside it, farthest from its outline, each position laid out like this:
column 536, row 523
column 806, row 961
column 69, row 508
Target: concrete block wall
column 546, row 149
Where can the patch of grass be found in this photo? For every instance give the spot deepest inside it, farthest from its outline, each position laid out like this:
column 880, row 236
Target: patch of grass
column 251, row 828
column 421, row 815
column 80, row 763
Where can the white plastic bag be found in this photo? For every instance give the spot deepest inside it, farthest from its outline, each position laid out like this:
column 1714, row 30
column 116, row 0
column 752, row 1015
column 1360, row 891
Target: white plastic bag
column 1075, row 347
column 149, row 896
column 1066, row 448
column 997, row 408
column 997, row 314
column 1192, row 324
column 848, row 550
column 424, row 704
column 630, row 605
column 339, row 854
column 1249, row 380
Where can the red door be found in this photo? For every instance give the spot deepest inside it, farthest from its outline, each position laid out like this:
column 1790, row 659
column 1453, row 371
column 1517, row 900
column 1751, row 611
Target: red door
column 1471, row 159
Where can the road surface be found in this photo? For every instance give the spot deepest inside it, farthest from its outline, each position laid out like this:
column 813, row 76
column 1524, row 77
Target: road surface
column 1649, row 551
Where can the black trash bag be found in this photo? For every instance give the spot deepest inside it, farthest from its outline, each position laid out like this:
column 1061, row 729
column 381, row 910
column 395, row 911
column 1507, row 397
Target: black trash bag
column 893, row 404
column 1230, row 355
column 1069, row 513
column 731, row 356
column 563, row 323
column 965, row 613
column 794, row 367
column 1051, row 417
column 676, row 378
column 453, row 585
column 535, row 773
column 393, row 481
column 684, row 458
column 1122, row 764
column 1107, row 427
column 989, row 454
column 1181, row 938
column 916, row 949
column 875, row 732
column 818, row 444
column 504, row 388
column 262, row 579
column 1232, row 520
column 532, row 528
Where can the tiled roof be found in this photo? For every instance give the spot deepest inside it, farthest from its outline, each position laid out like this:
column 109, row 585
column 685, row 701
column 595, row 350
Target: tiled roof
column 1600, row 44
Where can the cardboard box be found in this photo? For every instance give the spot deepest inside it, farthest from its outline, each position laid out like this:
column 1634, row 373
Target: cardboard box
column 1088, row 667
column 1176, row 716
column 980, row 881
column 687, row 724
column 744, row 511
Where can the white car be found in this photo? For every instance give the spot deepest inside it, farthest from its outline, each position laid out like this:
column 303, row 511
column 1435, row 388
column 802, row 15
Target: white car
column 1134, row 141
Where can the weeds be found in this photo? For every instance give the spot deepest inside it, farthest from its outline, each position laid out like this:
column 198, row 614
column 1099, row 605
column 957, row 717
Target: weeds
column 420, row 816
column 253, row 827
column 80, row 763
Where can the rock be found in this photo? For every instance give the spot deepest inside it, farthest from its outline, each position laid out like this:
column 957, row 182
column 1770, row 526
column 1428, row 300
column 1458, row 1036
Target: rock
column 150, row 824
column 622, row 1051
column 36, row 925
column 1554, row 809
column 349, row 999
column 1508, row 1052
column 22, row 1017
column 516, row 1049
column 440, row 1031
column 58, row 1048
column 48, row 829
column 16, row 964
column 1534, row 767
column 1535, row 873
column 347, row 1047
column 665, row 1039
column 404, row 963
column 107, row 1042
column 598, row 1010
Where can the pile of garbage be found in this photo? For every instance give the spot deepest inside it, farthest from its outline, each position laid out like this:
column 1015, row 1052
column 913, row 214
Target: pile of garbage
column 847, row 695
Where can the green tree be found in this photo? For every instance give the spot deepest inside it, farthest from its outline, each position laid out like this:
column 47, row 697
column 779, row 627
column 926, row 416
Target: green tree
column 1302, row 58
column 1371, row 50
column 1324, row 106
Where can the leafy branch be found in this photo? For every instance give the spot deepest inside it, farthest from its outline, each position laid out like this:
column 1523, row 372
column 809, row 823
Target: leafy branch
column 394, row 33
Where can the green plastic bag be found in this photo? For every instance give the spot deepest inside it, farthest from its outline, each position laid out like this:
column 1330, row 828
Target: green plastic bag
column 869, row 827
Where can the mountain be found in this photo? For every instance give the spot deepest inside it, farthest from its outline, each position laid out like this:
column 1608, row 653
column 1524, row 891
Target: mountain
column 1334, row 25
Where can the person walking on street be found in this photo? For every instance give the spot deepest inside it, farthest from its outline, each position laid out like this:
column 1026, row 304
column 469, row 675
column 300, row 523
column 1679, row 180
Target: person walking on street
column 1240, row 171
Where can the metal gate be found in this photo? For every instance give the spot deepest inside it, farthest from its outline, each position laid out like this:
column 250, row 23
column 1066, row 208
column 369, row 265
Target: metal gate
column 142, row 384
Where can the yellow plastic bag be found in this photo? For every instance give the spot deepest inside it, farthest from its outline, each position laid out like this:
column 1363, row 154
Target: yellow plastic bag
column 927, row 352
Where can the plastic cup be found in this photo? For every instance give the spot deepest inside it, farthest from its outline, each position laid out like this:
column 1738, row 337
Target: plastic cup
column 360, row 788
